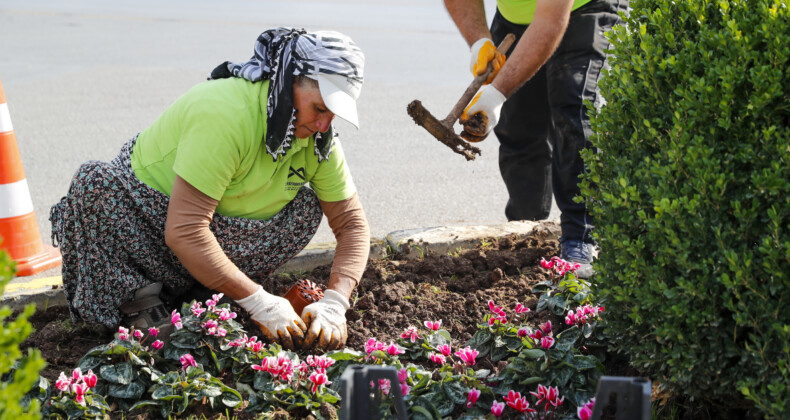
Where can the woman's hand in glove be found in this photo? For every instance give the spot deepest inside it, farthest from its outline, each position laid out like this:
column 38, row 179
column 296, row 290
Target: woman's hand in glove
column 326, row 321
column 275, row 316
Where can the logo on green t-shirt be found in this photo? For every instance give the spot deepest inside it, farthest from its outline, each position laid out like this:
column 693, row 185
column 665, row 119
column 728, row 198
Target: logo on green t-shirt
column 299, row 173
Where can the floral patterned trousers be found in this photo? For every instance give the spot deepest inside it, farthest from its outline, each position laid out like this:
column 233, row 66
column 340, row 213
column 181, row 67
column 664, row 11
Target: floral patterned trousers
column 110, row 229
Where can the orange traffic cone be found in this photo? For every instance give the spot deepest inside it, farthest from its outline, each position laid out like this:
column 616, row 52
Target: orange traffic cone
column 18, row 227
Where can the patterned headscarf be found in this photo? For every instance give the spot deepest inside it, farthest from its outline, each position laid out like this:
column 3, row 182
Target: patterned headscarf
column 281, row 54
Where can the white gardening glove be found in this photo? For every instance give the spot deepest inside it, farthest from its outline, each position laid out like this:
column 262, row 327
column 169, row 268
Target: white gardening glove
column 483, row 52
column 488, row 102
column 326, row 321
column 275, row 316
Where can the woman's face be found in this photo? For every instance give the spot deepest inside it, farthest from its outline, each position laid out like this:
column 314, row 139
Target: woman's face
column 311, row 114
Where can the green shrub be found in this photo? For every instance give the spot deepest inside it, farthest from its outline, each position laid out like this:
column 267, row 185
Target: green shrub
column 19, row 373
column 691, row 195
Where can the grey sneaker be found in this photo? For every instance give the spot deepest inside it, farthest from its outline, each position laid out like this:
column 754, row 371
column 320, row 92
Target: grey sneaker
column 147, row 310
column 576, row 251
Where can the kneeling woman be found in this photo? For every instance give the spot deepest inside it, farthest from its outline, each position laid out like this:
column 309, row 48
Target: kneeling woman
column 214, row 192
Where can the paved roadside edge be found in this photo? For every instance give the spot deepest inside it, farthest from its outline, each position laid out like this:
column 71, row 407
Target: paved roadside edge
column 411, row 243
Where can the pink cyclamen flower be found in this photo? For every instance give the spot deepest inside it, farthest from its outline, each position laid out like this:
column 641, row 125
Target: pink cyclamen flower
column 497, row 408
column 433, row 325
column 385, row 386
column 123, row 333
column 175, row 319
column 522, row 332
column 472, row 397
column 79, row 390
column 90, row 379
column 280, row 366
column 550, row 395
column 516, row 401
column 404, row 389
column 437, row 358
column 546, row 264
column 497, row 310
column 411, row 333
column 63, row 383
column 522, row 405
column 547, row 342
column 153, row 331
column 210, row 324
column 546, row 328
column 393, row 350
column 226, row 314
column 468, row 355
column 403, row 375
column 197, row 309
column 211, row 303
column 138, row 334
column 320, row 362
column 373, row 345
column 585, row 410
column 187, row 360
column 76, row 375
column 444, row 349
column 537, row 335
column 158, row 344
column 318, row 379
column 521, row 309
column 255, row 346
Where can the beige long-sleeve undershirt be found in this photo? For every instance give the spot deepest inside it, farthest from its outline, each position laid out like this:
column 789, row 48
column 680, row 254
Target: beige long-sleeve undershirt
column 187, row 233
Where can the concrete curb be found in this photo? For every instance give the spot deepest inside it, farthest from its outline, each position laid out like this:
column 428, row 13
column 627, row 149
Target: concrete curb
column 410, row 243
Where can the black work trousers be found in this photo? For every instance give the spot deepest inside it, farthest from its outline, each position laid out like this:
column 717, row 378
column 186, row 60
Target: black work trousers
column 544, row 124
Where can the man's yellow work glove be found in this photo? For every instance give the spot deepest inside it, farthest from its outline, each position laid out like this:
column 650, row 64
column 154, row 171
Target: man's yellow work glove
column 483, row 52
column 487, row 101
column 326, row 321
column 275, row 316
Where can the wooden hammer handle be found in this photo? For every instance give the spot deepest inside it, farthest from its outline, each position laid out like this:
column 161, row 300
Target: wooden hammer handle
column 476, row 83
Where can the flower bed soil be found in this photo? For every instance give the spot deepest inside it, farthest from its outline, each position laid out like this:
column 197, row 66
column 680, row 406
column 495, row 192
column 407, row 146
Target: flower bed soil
column 393, row 294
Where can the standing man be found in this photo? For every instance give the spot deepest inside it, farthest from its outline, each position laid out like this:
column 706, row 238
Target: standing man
column 535, row 102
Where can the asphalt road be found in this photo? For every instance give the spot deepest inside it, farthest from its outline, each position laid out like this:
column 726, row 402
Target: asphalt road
column 82, row 77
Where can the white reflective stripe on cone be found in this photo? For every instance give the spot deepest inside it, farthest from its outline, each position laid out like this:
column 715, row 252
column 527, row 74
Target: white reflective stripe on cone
column 5, row 119
column 15, row 199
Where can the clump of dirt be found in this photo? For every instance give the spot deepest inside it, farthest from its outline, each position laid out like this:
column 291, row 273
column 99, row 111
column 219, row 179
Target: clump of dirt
column 394, row 293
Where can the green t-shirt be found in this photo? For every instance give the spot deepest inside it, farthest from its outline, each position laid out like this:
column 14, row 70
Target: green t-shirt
column 521, row 12
column 212, row 137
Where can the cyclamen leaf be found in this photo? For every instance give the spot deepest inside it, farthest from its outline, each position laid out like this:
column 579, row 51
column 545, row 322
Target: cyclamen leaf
column 480, row 338
column 533, row 353
column 210, row 390
column 345, row 354
column 161, row 391
column 230, row 399
column 143, row 403
column 531, row 380
column 131, row 391
column 455, row 391
column 585, row 362
column 420, row 413
column 440, row 403
column 499, row 353
column 185, row 340
column 120, row 373
column 436, row 340
column 89, row 362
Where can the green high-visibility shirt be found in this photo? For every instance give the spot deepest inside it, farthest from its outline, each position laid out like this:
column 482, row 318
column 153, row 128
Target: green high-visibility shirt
column 213, row 138
column 521, row 12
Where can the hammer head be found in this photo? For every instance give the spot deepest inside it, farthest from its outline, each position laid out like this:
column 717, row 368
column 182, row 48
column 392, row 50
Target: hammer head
column 441, row 131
